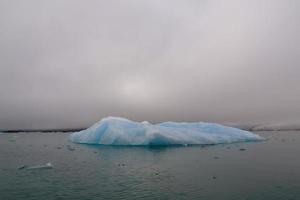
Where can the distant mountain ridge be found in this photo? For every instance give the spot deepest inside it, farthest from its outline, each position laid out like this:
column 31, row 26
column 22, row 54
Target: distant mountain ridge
column 268, row 127
column 42, row 130
column 247, row 127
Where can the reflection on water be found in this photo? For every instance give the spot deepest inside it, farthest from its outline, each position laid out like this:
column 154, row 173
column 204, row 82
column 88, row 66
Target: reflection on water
column 261, row 170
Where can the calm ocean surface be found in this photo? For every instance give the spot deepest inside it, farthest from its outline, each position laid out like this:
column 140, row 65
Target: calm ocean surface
column 260, row 170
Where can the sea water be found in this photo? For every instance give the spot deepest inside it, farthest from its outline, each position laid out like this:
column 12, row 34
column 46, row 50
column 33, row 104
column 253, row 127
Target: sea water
column 255, row 170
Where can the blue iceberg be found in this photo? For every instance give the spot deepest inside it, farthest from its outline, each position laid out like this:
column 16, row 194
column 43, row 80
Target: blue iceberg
column 120, row 131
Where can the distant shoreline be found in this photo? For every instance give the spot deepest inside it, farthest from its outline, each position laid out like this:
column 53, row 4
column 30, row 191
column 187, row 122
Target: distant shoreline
column 80, row 129
column 42, row 130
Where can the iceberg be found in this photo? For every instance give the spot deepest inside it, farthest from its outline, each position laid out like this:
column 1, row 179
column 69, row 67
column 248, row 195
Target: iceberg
column 121, row 131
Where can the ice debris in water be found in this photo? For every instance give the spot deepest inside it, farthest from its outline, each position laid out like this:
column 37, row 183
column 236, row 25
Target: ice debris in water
column 120, row 131
column 45, row 166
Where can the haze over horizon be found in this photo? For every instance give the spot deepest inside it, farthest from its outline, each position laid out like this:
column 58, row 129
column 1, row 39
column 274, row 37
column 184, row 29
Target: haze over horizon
column 69, row 63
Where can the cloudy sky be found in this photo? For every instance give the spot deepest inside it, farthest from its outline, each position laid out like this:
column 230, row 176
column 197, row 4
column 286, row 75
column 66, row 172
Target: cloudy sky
column 68, row 63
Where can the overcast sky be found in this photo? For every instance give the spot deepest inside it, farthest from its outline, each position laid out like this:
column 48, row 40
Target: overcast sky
column 68, row 63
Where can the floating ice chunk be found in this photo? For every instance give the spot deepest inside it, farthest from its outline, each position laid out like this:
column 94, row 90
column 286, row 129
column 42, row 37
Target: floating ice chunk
column 23, row 167
column 70, row 148
column 120, row 131
column 46, row 166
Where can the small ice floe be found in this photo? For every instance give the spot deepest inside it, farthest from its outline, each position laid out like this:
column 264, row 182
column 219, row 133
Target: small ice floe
column 70, row 148
column 121, row 164
column 23, row 167
column 45, row 166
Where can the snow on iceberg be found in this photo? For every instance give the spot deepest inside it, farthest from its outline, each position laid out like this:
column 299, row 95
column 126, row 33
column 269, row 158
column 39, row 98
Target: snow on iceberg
column 120, row 131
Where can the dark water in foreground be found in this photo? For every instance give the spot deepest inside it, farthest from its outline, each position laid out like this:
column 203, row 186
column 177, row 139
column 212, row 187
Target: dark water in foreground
column 261, row 170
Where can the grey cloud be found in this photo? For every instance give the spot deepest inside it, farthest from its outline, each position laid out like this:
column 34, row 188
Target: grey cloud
column 69, row 63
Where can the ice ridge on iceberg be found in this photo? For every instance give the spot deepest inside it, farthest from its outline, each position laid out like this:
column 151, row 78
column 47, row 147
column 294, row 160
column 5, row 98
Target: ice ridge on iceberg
column 121, row 131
